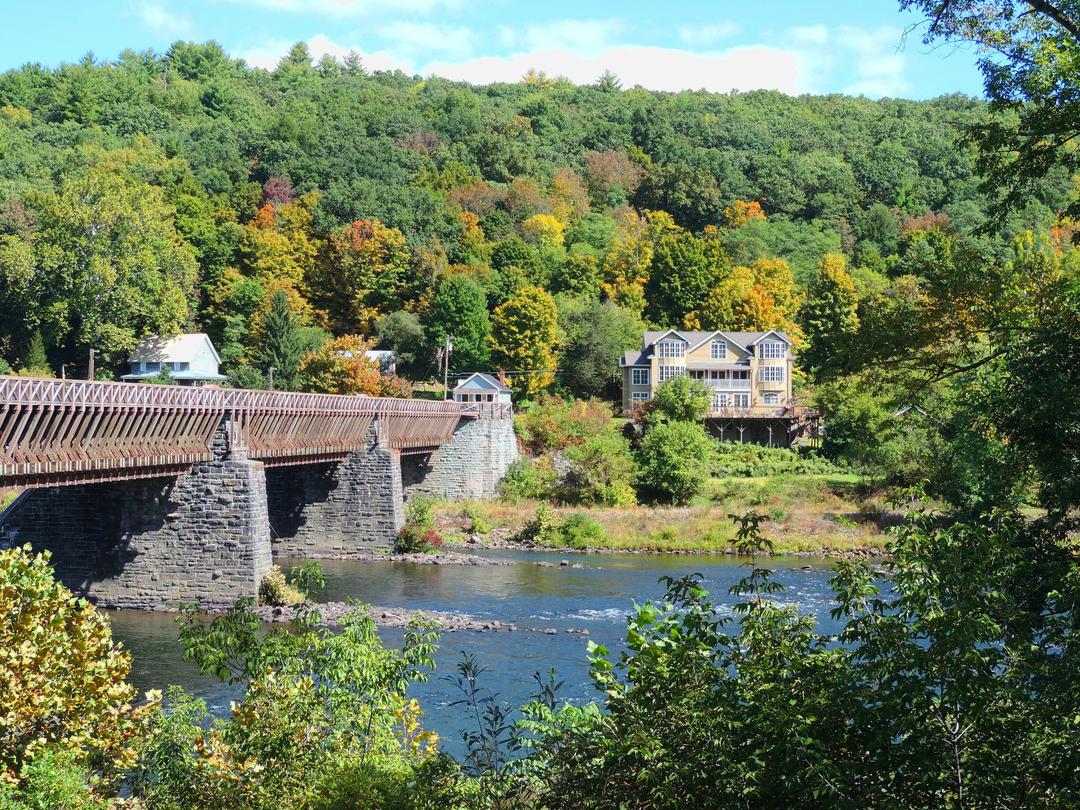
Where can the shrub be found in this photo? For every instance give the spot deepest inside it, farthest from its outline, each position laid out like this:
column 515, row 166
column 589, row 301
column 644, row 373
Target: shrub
column 673, row 460
column 418, row 535
column 527, row 479
column 52, row 780
column 542, row 530
column 755, row 460
column 275, row 591
column 477, row 524
column 579, row 530
column 555, row 424
column 61, row 676
column 600, row 471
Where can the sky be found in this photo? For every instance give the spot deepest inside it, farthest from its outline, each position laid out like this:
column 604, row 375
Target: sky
column 795, row 46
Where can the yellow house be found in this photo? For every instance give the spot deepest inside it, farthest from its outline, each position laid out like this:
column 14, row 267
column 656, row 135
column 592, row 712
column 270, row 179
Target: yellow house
column 749, row 374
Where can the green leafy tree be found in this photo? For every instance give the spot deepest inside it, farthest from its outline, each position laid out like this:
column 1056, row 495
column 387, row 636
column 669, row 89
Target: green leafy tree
column 402, row 333
column 459, row 309
column 684, row 271
column 524, row 332
column 829, row 316
column 673, row 461
column 594, row 337
column 682, row 399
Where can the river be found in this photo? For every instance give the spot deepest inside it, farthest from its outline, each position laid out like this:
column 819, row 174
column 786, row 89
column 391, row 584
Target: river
column 596, row 597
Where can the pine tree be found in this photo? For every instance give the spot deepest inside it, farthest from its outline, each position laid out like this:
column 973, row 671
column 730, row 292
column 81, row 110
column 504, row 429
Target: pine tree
column 829, row 316
column 280, row 344
column 35, row 362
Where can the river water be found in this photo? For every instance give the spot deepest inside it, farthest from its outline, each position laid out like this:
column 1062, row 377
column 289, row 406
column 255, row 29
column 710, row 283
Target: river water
column 596, row 597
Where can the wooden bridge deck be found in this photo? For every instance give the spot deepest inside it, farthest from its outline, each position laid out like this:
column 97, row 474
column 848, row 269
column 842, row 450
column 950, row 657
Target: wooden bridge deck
column 73, row 431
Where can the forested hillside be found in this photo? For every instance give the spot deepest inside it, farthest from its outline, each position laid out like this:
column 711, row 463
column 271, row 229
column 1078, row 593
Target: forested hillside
column 161, row 192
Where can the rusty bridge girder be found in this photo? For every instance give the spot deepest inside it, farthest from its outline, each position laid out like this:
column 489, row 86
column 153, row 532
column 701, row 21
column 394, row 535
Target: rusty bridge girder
column 56, row 432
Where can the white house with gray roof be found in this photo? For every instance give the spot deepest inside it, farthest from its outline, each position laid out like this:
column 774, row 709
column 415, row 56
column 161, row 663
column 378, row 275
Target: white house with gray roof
column 190, row 359
column 480, row 387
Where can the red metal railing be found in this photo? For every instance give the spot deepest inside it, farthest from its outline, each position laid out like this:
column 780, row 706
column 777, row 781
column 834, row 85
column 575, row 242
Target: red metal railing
column 65, row 431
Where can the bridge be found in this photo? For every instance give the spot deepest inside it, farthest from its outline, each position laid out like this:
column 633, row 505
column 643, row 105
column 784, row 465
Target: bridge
column 148, row 495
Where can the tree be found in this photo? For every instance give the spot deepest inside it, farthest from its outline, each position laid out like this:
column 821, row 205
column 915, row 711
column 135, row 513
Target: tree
column 1029, row 48
column 682, row 399
column 683, row 271
column 459, row 308
column 362, row 273
column 595, row 335
column 829, row 316
column 279, row 342
column 63, row 678
column 402, row 333
column 673, row 461
column 524, row 338
column 35, row 363
column 341, row 366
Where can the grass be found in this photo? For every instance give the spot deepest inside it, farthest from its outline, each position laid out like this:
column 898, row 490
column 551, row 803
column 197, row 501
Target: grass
column 807, row 513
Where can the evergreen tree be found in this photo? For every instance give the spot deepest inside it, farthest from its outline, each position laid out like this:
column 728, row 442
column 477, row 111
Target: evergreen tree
column 280, row 343
column 35, row 362
column 829, row 316
column 459, row 309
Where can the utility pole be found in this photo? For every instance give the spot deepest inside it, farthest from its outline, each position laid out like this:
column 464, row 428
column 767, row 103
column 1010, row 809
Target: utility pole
column 447, row 349
column 90, row 367
column 271, row 369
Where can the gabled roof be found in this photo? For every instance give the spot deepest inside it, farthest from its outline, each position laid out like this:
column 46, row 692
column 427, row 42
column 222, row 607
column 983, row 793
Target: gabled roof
column 179, row 348
column 743, row 340
column 483, row 382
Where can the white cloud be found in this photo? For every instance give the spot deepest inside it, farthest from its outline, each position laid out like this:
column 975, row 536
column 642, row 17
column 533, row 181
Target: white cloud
column 801, row 60
column 743, row 68
column 708, row 34
column 412, row 38
column 269, row 54
column 584, row 37
column 871, row 62
column 351, row 8
column 162, row 21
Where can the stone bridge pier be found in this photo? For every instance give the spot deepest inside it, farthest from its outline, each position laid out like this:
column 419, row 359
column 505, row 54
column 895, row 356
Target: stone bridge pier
column 198, row 536
column 337, row 509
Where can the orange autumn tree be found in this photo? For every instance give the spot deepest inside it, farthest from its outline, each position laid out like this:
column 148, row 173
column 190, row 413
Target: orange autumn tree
column 341, row 366
column 740, row 212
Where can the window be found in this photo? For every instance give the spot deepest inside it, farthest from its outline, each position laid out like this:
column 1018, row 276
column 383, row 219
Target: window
column 774, row 350
column 718, row 350
column 155, row 366
column 740, row 375
column 670, row 372
column 772, row 373
column 720, row 401
column 136, row 368
column 179, row 366
column 672, row 348
column 639, row 376
column 639, row 396
column 742, row 400
column 771, row 399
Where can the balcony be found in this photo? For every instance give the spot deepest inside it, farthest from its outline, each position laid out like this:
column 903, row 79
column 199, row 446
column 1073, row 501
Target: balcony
column 728, row 385
column 749, row 412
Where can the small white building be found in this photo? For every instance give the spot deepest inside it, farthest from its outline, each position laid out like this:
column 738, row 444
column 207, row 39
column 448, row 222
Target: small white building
column 481, row 388
column 189, row 359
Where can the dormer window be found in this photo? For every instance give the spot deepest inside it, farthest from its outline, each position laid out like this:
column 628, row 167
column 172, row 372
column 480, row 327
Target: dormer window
column 773, row 350
column 672, row 348
column 718, row 350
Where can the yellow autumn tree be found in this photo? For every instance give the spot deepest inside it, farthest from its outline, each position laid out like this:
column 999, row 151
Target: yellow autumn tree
column 626, row 268
column 740, row 212
column 524, row 333
column 62, row 677
column 543, row 230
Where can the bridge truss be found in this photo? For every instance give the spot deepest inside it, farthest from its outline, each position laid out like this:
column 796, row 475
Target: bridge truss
column 56, row 432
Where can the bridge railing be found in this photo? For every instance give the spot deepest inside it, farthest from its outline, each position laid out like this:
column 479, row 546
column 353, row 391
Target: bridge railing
column 75, row 429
